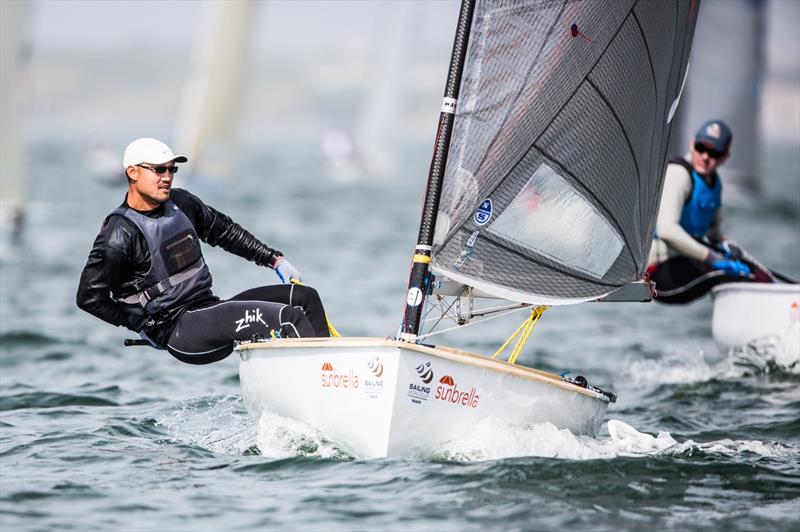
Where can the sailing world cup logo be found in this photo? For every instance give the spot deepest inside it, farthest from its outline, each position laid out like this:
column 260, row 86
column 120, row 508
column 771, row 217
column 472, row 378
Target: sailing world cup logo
column 373, row 382
column 420, row 392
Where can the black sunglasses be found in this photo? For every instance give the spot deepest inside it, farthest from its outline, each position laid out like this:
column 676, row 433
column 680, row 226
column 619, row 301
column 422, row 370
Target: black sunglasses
column 699, row 147
column 160, row 170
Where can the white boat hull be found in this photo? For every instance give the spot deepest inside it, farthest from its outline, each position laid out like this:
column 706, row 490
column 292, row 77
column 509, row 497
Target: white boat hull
column 379, row 398
column 747, row 312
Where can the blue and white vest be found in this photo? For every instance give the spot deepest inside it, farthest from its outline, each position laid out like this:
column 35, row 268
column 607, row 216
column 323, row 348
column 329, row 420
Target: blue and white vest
column 701, row 207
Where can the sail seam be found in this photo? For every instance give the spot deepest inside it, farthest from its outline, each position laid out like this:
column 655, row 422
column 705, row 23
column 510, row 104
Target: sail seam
column 500, row 242
column 633, row 156
column 649, row 57
column 586, row 77
column 516, row 98
column 649, row 161
column 597, row 201
column 622, row 128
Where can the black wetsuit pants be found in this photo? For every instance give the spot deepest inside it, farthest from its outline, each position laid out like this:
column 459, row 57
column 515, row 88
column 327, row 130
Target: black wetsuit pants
column 681, row 280
column 206, row 334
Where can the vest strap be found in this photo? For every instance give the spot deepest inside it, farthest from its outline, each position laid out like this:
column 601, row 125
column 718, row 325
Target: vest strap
column 143, row 296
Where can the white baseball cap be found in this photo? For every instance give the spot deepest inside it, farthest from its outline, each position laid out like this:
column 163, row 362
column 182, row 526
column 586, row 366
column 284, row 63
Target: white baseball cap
column 147, row 150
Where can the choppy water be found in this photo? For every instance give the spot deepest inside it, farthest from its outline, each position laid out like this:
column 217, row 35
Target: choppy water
column 94, row 436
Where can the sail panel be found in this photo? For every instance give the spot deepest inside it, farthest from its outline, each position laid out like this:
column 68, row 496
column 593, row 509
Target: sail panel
column 580, row 90
column 550, row 217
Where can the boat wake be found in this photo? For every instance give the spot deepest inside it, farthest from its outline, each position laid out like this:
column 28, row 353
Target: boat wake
column 494, row 440
column 282, row 437
column 766, row 356
column 219, row 424
column 770, row 355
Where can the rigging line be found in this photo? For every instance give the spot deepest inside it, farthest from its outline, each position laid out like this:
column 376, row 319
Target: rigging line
column 442, row 316
column 470, row 323
column 489, row 310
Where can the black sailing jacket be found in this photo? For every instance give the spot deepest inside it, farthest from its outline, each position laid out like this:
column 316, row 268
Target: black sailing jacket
column 120, row 259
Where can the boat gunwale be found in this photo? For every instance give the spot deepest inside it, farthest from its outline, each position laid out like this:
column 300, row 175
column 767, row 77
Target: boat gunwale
column 764, row 288
column 447, row 353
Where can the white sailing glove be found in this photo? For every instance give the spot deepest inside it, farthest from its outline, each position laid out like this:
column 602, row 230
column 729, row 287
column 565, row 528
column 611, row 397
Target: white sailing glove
column 286, row 272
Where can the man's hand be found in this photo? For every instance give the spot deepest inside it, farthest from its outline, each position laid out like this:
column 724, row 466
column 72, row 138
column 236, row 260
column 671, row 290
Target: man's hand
column 286, row 272
column 731, row 249
column 734, row 268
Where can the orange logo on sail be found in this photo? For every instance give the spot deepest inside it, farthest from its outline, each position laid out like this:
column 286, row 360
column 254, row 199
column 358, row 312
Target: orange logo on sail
column 327, row 367
column 447, row 380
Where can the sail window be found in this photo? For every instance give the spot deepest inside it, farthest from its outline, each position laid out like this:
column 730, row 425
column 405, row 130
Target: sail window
column 551, row 218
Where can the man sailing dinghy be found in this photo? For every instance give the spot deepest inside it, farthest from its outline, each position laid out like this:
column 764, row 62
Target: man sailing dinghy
column 543, row 190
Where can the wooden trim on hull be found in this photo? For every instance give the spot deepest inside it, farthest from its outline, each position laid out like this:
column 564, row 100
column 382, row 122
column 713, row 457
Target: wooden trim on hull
column 447, row 353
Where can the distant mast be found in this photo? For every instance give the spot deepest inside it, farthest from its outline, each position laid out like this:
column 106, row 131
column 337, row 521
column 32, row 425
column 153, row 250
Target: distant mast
column 14, row 52
column 213, row 92
column 420, row 269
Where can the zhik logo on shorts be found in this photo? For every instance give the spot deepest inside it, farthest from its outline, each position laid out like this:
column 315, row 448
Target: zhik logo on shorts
column 250, row 317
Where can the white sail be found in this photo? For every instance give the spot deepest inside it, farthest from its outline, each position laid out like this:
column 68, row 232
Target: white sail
column 211, row 105
column 14, row 49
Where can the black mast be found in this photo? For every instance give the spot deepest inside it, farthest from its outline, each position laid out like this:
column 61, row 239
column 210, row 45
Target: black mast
column 420, row 268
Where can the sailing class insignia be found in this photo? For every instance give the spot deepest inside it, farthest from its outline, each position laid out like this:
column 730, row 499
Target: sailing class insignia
column 414, row 297
column 484, row 212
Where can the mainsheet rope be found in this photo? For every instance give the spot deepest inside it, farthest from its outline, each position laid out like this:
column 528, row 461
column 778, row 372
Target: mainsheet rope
column 524, row 331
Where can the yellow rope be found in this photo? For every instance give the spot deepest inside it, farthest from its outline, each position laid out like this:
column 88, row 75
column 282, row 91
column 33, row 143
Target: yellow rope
column 331, row 328
column 524, row 331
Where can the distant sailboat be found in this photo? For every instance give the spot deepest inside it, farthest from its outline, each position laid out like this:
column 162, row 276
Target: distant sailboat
column 543, row 189
column 373, row 149
column 212, row 98
column 14, row 55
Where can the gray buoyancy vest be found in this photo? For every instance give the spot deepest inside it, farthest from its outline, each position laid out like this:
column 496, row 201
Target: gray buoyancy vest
column 177, row 270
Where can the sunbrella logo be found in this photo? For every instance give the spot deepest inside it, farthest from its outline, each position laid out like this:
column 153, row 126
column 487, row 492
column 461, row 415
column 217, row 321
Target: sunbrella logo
column 448, row 391
column 420, row 392
column 331, row 379
column 373, row 383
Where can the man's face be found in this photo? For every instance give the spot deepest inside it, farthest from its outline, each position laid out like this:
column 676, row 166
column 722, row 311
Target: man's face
column 153, row 181
column 705, row 159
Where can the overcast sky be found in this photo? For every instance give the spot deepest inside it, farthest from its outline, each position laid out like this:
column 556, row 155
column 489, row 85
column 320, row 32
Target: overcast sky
column 281, row 26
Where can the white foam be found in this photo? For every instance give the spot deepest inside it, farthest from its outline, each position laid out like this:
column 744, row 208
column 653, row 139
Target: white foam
column 688, row 367
column 281, row 437
column 494, row 440
column 221, row 425
column 218, row 424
